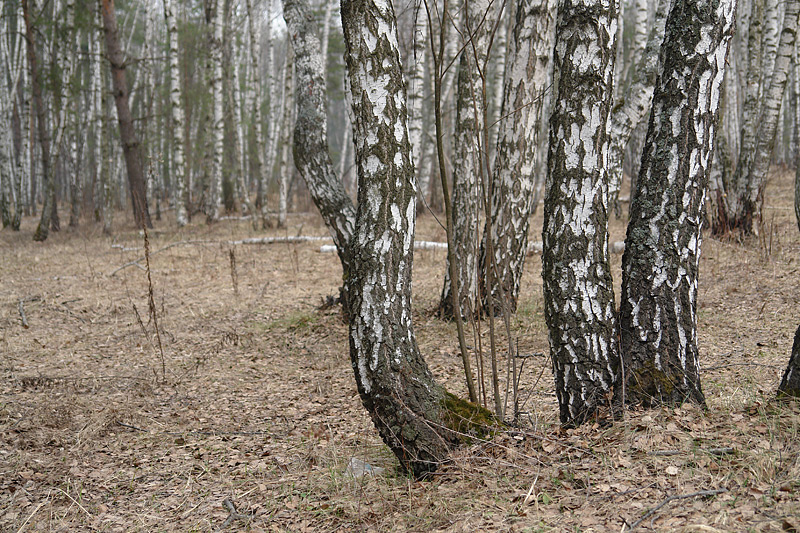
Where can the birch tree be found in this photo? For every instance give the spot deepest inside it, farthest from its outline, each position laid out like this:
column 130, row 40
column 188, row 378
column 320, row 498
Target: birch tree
column 469, row 159
column 214, row 208
column 43, row 130
column 662, row 250
column 176, row 109
column 505, row 239
column 578, row 291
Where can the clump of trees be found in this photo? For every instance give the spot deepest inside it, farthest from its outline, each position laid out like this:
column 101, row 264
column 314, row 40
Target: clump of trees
column 500, row 103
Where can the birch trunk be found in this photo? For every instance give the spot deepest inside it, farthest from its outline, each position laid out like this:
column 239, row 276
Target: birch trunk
column 469, row 160
column 311, row 154
column 658, row 314
column 578, row 290
column 633, row 104
column 407, row 406
column 790, row 383
column 797, row 133
column 175, row 97
column 285, row 166
column 749, row 212
column 511, row 188
column 259, row 168
column 214, row 209
column 416, row 89
column 130, row 144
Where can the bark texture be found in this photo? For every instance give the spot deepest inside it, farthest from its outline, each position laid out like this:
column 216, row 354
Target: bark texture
column 505, row 240
column 469, row 156
column 662, row 249
column 790, row 384
column 394, row 382
column 178, row 155
column 214, row 208
column 48, row 181
column 311, row 154
column 131, row 147
column 578, row 291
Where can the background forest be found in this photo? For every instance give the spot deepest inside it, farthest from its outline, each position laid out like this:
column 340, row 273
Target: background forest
column 174, row 354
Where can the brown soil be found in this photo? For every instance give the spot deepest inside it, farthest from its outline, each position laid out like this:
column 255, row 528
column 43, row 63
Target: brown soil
column 253, row 402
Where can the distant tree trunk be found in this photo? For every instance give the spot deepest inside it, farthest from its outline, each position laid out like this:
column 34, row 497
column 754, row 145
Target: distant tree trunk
column 214, row 209
column 285, row 165
column 259, row 168
column 633, row 103
column 753, row 196
column 469, row 157
column 662, row 252
column 130, row 144
column 43, row 229
column 416, row 91
column 790, row 384
column 511, row 189
column 178, row 156
column 578, row 290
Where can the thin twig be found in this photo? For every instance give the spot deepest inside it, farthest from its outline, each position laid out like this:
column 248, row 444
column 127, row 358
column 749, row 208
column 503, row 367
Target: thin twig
column 22, row 314
column 82, row 508
column 710, row 451
column 671, row 498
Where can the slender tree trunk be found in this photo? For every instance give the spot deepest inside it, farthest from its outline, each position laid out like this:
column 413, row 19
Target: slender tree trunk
column 416, row 88
column 797, row 134
column 790, row 384
column 753, row 197
column 469, row 159
column 214, row 209
column 578, row 290
column 175, row 96
column 512, row 184
column 42, row 230
column 285, row 166
column 259, row 168
column 662, row 252
column 130, row 143
column 311, row 154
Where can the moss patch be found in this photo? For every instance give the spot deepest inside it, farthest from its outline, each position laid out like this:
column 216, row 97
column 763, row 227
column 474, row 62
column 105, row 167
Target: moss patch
column 468, row 419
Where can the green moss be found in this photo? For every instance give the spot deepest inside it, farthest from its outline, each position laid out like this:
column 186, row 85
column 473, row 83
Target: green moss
column 468, row 419
column 649, row 381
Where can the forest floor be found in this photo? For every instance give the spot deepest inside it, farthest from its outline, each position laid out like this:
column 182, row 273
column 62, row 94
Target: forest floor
column 242, row 413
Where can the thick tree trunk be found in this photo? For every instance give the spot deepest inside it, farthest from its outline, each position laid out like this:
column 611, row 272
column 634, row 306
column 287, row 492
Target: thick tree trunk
column 790, row 384
column 511, row 190
column 394, row 382
column 43, row 229
column 662, row 250
column 578, row 291
column 178, row 155
column 130, row 144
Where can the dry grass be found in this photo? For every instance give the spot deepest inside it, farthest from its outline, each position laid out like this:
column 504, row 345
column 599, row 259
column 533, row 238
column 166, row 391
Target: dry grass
column 259, row 404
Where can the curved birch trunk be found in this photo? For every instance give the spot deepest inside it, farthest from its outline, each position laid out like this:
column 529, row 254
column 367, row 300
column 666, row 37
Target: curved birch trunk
column 578, row 291
column 662, row 252
column 511, row 188
column 396, row 387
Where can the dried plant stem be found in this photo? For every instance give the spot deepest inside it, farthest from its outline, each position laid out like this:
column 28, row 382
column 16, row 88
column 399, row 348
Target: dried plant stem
column 152, row 304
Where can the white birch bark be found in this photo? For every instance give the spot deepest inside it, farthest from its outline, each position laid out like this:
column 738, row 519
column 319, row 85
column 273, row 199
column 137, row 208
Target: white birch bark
column 512, row 183
column 215, row 206
column 259, row 168
column 393, row 380
column 750, row 207
column 416, row 88
column 633, row 104
column 286, row 168
column 578, row 289
column 469, row 160
column 658, row 316
column 176, row 109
